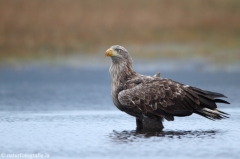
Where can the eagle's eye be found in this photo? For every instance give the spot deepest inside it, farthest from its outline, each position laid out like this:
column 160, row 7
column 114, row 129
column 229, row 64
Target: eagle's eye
column 119, row 50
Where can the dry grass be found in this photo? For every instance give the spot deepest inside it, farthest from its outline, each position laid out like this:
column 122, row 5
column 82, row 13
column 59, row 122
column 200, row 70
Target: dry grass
column 42, row 27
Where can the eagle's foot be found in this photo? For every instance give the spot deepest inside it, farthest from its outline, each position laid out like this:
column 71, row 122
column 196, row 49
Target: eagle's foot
column 149, row 124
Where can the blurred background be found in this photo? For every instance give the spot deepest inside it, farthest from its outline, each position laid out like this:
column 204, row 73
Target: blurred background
column 55, row 92
column 59, row 29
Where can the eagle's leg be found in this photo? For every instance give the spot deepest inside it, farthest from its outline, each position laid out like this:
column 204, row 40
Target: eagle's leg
column 139, row 123
column 154, row 124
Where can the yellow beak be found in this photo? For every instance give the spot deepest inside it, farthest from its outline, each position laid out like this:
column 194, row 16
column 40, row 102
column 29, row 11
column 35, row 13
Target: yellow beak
column 110, row 52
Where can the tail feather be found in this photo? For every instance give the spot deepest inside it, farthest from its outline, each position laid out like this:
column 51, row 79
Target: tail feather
column 212, row 114
column 202, row 114
column 222, row 112
column 208, row 107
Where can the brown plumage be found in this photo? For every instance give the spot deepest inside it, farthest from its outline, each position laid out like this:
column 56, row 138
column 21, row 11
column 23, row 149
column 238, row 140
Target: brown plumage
column 151, row 98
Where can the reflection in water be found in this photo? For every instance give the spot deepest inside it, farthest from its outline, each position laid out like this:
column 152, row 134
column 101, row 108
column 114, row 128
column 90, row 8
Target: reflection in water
column 135, row 135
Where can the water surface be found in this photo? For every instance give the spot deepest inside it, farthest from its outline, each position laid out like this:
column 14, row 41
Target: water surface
column 67, row 112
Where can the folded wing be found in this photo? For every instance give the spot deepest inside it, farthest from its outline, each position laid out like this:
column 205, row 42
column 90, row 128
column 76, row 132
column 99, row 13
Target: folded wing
column 166, row 98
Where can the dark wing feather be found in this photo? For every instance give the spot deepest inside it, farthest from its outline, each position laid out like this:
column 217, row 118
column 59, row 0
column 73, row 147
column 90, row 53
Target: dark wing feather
column 221, row 101
column 166, row 98
column 161, row 97
column 215, row 94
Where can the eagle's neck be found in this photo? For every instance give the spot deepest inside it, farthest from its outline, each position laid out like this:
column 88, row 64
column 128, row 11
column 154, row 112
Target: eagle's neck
column 120, row 73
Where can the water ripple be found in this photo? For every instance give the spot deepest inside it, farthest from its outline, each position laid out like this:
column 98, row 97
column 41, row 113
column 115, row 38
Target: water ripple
column 135, row 135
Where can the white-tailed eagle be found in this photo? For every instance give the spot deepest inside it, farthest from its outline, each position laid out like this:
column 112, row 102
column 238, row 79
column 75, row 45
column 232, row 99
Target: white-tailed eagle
column 152, row 98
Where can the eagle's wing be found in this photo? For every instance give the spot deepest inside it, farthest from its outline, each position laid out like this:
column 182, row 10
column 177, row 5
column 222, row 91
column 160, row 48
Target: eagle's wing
column 164, row 97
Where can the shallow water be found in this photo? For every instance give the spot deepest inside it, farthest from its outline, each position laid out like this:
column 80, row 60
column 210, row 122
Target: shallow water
column 111, row 134
column 68, row 112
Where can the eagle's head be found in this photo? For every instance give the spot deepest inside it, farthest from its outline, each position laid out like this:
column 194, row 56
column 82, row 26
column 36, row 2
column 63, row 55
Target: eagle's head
column 118, row 54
